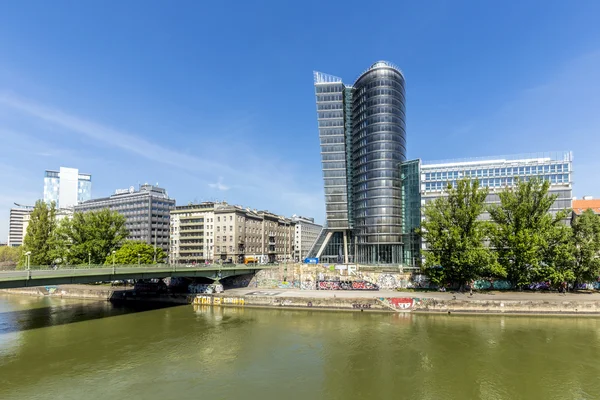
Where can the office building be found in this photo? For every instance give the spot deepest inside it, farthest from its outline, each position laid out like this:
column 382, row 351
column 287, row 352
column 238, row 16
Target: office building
column 220, row 232
column 499, row 173
column 191, row 233
column 67, row 187
column 305, row 235
column 146, row 210
column 16, row 227
column 363, row 143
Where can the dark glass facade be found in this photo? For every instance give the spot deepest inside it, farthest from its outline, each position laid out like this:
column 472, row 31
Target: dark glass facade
column 363, row 142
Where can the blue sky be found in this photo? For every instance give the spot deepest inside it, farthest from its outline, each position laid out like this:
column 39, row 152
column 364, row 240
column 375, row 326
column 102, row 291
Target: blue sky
column 214, row 100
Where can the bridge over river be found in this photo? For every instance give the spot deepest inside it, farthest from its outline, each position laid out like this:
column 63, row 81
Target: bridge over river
column 47, row 277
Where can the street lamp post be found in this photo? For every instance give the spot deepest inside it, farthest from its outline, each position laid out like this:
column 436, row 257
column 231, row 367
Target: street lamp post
column 89, row 258
column 138, row 259
column 28, row 255
column 113, row 253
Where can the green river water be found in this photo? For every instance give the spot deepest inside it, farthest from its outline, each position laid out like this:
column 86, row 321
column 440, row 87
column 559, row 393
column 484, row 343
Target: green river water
column 66, row 349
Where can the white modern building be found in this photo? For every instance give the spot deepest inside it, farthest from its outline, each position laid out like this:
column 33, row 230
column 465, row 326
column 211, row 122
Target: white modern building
column 67, row 187
column 305, row 236
column 16, row 227
column 499, row 173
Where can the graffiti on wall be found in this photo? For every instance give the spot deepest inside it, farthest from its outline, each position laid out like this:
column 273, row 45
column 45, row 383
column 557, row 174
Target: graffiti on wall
column 489, row 284
column 203, row 300
column 308, row 284
column 207, row 288
column 239, row 301
column 403, row 303
column 346, row 285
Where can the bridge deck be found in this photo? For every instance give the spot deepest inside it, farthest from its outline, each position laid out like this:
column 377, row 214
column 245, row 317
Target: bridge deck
column 46, row 277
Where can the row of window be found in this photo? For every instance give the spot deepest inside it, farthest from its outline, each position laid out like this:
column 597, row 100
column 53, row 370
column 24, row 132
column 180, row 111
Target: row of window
column 330, row 106
column 339, row 139
column 329, row 97
column 379, row 100
column 379, row 91
column 507, row 171
column 378, row 156
column 330, row 114
column 366, row 132
column 330, row 122
column 361, row 192
column 500, row 182
column 376, row 83
column 337, row 88
column 376, row 119
column 378, row 137
column 333, row 148
column 374, row 110
column 331, row 131
column 378, row 147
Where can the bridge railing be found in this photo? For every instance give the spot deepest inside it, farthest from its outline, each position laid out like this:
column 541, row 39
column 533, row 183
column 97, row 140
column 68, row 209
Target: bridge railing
column 146, row 266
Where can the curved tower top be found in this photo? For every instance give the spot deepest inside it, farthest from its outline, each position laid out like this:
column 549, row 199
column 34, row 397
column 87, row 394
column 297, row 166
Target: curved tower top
column 381, row 64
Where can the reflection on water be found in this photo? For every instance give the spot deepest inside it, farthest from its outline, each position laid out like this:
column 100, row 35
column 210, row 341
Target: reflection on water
column 74, row 350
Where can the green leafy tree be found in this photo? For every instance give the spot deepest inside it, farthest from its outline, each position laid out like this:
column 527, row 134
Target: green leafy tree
column 557, row 256
column 530, row 242
column 586, row 247
column 88, row 237
column 455, row 236
column 40, row 236
column 9, row 256
column 134, row 252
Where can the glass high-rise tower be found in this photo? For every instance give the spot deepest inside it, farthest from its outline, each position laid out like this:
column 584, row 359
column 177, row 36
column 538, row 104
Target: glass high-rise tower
column 363, row 144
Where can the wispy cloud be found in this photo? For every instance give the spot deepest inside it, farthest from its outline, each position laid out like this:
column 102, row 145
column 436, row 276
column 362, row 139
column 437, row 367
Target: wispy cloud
column 112, row 137
column 266, row 181
column 219, row 185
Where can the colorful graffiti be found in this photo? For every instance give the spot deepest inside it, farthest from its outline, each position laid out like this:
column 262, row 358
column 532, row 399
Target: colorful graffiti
column 203, row 300
column 403, row 303
column 346, row 285
column 239, row 301
column 205, row 288
column 387, row 281
column 308, row 284
column 489, row 284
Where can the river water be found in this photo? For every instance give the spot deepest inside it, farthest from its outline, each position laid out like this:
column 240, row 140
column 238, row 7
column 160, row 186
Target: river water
column 66, row 349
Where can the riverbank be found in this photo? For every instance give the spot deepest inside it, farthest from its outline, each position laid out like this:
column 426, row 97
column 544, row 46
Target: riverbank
column 524, row 303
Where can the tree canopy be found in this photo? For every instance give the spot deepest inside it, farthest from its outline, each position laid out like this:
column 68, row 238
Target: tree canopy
column 9, row 256
column 134, row 252
column 530, row 241
column 586, row 246
column 89, row 237
column 455, row 236
column 40, row 237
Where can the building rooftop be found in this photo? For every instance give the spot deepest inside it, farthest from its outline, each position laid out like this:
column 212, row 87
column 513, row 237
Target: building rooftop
column 579, row 206
column 527, row 158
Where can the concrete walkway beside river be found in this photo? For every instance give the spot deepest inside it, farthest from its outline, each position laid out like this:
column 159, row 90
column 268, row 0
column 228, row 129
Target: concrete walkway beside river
column 368, row 294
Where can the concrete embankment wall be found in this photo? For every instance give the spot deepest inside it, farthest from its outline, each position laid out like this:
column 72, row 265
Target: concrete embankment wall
column 407, row 304
column 573, row 307
column 374, row 303
column 94, row 293
column 330, row 303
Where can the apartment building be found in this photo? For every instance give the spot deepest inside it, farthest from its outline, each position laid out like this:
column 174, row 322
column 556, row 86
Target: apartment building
column 220, row 232
column 305, row 235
